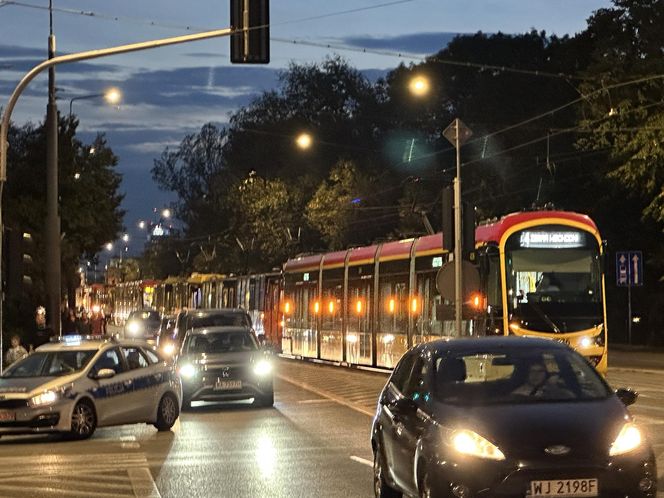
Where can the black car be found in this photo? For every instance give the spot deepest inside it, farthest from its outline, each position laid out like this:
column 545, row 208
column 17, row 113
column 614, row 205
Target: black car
column 224, row 364
column 506, row 417
column 143, row 324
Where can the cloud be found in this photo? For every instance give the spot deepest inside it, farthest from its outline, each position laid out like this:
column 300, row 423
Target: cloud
column 419, row 43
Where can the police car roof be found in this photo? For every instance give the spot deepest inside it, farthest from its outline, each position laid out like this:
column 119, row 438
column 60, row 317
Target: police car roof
column 87, row 343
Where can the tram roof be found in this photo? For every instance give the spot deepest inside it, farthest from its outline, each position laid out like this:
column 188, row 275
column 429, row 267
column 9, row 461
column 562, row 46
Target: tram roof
column 495, row 230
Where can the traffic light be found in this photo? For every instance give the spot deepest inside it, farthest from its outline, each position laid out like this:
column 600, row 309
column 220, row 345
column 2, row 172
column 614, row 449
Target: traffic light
column 20, row 247
column 251, row 45
column 467, row 225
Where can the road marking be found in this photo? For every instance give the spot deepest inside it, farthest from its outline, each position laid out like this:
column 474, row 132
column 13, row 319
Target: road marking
column 363, row 461
column 311, row 401
column 142, row 483
column 324, row 394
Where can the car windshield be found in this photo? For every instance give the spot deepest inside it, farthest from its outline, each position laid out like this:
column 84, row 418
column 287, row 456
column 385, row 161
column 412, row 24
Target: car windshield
column 220, row 320
column 221, row 342
column 148, row 316
column 516, row 377
column 50, row 364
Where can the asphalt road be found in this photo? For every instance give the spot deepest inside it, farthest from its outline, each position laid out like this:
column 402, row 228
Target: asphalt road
column 314, row 442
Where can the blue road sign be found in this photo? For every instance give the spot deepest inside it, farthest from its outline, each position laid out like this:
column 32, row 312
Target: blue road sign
column 622, row 269
column 629, row 268
column 635, row 268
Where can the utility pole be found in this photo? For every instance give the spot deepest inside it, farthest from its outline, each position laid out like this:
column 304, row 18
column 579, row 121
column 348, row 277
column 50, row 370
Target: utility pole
column 52, row 229
column 457, row 133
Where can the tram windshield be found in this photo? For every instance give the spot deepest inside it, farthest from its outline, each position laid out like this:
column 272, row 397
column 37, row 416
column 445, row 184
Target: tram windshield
column 554, row 281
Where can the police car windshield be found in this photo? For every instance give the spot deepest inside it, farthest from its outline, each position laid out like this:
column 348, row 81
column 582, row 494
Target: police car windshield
column 221, row 342
column 50, row 364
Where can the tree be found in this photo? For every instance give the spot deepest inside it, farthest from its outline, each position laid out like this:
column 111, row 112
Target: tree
column 89, row 197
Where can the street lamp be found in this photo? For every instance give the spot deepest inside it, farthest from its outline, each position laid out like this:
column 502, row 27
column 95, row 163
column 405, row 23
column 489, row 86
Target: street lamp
column 419, row 86
column 112, row 96
column 141, row 225
column 109, row 246
column 304, row 141
column 166, row 213
column 125, row 237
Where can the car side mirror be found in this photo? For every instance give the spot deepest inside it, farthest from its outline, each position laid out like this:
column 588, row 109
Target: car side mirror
column 105, row 373
column 627, row 396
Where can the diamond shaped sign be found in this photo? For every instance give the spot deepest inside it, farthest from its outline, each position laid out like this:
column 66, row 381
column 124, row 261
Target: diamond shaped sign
column 450, row 132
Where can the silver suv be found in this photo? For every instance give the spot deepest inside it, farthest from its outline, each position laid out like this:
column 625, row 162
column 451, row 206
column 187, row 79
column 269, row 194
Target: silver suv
column 77, row 385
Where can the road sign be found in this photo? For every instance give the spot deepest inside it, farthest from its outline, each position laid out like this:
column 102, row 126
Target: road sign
column 635, row 268
column 622, row 269
column 629, row 268
column 450, row 132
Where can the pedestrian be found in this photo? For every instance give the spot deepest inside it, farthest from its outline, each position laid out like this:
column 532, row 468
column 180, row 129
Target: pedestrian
column 98, row 323
column 41, row 333
column 83, row 325
column 15, row 352
column 69, row 323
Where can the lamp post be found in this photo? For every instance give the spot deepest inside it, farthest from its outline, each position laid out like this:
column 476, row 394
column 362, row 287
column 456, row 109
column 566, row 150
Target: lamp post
column 304, row 140
column 112, row 96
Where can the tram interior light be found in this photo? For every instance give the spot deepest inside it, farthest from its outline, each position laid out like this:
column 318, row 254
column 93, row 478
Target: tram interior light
column 388, row 338
column 414, row 305
column 358, row 306
column 351, row 338
column 316, row 307
column 391, row 305
column 287, row 307
column 330, row 307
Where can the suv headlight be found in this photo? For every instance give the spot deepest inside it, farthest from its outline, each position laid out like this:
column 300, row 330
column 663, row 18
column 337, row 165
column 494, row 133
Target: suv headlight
column 628, row 439
column 263, row 367
column 187, row 371
column 470, row 443
column 134, row 328
column 45, row 398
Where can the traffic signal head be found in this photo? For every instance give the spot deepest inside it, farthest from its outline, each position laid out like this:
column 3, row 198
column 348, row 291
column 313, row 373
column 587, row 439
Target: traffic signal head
column 251, row 43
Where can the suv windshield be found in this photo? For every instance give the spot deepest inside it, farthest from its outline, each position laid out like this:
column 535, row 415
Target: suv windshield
column 148, row 316
column 231, row 319
column 221, row 342
column 518, row 377
column 50, row 364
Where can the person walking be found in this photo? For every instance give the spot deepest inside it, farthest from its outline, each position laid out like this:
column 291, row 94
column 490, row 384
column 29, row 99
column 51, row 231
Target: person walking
column 41, row 333
column 84, row 325
column 98, row 323
column 15, row 352
column 69, row 323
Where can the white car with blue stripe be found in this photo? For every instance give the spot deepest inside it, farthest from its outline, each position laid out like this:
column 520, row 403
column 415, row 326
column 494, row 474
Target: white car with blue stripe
column 76, row 385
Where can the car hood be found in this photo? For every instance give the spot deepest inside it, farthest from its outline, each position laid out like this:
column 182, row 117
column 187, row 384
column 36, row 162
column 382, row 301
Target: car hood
column 587, row 428
column 219, row 359
column 23, row 387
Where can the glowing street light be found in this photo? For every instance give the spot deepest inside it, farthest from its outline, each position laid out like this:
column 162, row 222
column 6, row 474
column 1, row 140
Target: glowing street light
column 304, row 141
column 113, row 96
column 419, row 86
column 166, row 213
column 109, row 246
column 125, row 237
column 141, row 225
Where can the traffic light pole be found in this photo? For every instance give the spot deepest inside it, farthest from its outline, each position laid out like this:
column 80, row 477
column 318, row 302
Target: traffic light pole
column 64, row 59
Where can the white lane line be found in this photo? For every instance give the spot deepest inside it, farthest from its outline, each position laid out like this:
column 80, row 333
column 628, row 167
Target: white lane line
column 142, row 483
column 363, row 461
column 312, row 389
column 312, row 401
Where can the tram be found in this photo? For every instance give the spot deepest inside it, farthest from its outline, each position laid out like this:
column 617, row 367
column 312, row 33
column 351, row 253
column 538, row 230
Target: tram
column 541, row 274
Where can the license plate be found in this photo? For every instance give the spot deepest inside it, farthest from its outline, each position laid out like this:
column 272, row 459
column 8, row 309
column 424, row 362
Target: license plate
column 227, row 385
column 568, row 488
column 7, row 416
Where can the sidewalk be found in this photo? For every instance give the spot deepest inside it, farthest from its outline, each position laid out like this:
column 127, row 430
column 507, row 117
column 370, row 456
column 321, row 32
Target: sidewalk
column 357, row 389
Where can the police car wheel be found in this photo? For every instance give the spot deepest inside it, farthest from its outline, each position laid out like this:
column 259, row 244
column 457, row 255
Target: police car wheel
column 167, row 413
column 83, row 420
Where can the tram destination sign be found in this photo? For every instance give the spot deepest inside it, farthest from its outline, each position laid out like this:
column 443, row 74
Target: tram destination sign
column 551, row 240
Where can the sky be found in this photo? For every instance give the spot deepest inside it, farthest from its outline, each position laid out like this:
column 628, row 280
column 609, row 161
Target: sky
column 173, row 91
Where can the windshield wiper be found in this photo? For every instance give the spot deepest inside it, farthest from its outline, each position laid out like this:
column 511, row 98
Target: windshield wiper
column 546, row 317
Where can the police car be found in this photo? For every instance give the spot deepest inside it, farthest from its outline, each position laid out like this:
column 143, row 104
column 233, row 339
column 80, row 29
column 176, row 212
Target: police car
column 78, row 384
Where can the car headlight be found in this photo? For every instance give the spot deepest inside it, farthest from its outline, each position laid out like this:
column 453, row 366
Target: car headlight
column 470, row 443
column 628, row 439
column 168, row 349
column 187, row 371
column 133, row 328
column 263, row 367
column 45, row 398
